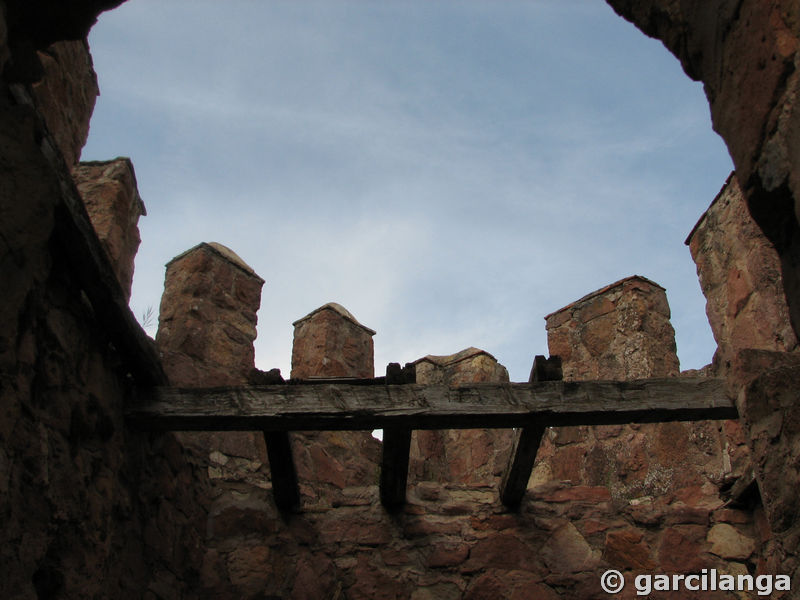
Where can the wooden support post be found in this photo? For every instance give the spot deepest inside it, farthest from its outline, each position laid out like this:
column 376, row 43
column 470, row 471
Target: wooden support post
column 281, row 466
column 396, row 447
column 527, row 440
column 394, row 467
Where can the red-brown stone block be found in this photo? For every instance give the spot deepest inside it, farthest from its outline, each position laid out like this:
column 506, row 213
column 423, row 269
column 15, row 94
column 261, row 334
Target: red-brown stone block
column 460, row 455
column 330, row 342
column 109, row 191
column 66, row 95
column 620, row 332
column 740, row 274
column 207, row 321
column 623, row 332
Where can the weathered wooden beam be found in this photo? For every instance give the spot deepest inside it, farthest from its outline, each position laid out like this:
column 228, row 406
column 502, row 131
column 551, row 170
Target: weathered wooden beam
column 527, row 440
column 523, row 455
column 415, row 406
column 394, row 467
column 282, row 470
column 396, row 446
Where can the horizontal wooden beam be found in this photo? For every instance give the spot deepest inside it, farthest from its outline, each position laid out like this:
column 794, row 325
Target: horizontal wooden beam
column 415, row 406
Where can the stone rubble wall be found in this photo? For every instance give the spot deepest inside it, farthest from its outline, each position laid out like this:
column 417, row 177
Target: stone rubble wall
column 768, row 403
column 619, row 332
column 66, row 95
column 94, row 510
column 89, row 509
column 740, row 274
column 109, row 191
column 623, row 332
column 467, row 456
column 207, row 319
column 453, row 538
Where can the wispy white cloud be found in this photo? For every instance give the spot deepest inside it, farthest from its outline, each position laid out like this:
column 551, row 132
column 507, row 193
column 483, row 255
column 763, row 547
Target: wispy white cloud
column 450, row 172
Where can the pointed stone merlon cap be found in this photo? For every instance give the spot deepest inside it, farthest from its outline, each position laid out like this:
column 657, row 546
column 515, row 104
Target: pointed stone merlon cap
column 338, row 309
column 451, row 359
column 330, row 342
column 633, row 279
column 220, row 251
column 471, row 365
column 730, row 182
column 621, row 331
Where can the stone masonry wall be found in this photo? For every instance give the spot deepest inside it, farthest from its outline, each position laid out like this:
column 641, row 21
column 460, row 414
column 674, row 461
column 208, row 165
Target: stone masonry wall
column 330, row 342
column 739, row 272
column 77, row 530
column 474, row 456
column 66, row 94
column 207, row 319
column 109, row 191
column 88, row 507
column 453, row 538
column 620, row 332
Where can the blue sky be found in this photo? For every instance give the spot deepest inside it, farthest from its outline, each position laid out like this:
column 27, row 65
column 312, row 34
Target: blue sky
column 450, row 172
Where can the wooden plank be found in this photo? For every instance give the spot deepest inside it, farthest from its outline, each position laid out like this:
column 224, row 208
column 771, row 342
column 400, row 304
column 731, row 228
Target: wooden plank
column 415, row 406
column 396, row 446
column 282, row 470
column 527, row 440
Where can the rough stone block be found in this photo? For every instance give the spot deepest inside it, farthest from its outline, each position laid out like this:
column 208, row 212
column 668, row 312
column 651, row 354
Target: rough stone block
column 207, row 320
column 740, row 274
column 330, row 342
column 66, row 95
column 109, row 191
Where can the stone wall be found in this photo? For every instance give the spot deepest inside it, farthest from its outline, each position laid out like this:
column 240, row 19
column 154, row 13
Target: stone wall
column 453, row 538
column 66, row 94
column 747, row 55
column 207, row 320
column 330, row 342
column 89, row 508
column 739, row 272
column 96, row 510
column 767, row 399
column 622, row 332
column 619, row 332
column 109, row 191
column 468, row 456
